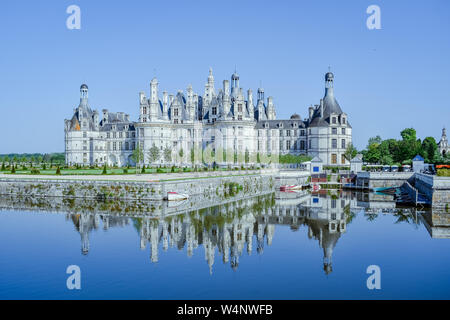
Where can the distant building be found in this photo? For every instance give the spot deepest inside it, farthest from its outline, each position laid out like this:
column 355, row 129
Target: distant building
column 225, row 120
column 444, row 147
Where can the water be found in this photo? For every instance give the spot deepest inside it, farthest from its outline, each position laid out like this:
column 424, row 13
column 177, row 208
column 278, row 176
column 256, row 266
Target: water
column 300, row 247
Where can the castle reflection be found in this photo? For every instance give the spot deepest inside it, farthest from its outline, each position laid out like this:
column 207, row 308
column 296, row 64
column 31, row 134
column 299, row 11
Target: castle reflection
column 233, row 229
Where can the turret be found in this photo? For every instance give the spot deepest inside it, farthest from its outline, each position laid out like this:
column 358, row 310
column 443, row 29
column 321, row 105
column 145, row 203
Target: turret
column 84, row 95
column 154, row 103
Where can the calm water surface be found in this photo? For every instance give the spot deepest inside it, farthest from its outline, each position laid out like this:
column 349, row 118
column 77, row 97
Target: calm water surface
column 298, row 247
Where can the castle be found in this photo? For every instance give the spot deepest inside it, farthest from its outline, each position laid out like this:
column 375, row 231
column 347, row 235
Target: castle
column 226, row 121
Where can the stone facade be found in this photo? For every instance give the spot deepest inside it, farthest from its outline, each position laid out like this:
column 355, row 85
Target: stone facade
column 228, row 122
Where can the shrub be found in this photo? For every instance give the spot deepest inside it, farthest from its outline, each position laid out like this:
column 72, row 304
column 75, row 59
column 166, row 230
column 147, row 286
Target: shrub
column 13, row 170
column 105, row 171
column 143, row 169
column 3, row 166
column 58, row 171
column 160, row 170
column 443, row 172
column 125, row 170
column 35, row 171
column 172, row 169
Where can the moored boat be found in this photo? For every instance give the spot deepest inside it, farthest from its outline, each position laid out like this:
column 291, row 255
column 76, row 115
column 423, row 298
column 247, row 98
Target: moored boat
column 290, row 187
column 176, row 196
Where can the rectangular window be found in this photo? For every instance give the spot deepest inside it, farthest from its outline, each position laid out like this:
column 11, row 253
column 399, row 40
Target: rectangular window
column 334, row 120
column 239, row 117
column 334, row 143
column 343, row 130
column 240, row 107
column 343, row 144
column 175, row 112
column 343, row 159
column 108, row 135
column 120, row 134
column 334, row 158
column 114, row 146
column 302, row 145
column 175, row 121
column 214, row 111
column 333, row 130
column 302, row 132
column 288, row 145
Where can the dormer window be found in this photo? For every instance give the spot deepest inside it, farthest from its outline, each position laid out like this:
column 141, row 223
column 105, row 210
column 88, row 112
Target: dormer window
column 343, row 120
column 266, row 125
column 281, row 125
column 333, row 120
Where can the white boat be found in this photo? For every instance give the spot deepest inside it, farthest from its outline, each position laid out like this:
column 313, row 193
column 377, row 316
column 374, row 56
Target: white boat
column 175, row 196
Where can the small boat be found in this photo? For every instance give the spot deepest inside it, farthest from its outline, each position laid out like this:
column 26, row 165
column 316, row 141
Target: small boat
column 290, row 188
column 175, row 196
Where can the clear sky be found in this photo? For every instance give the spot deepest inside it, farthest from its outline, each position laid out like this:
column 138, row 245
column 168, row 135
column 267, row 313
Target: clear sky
column 385, row 79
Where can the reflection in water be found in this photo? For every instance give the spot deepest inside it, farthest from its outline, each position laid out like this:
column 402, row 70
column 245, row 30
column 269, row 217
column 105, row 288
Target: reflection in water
column 234, row 227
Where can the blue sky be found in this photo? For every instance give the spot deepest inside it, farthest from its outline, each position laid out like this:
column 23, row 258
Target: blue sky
column 385, row 79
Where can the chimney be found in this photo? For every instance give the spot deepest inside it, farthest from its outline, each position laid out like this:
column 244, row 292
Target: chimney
column 321, row 108
column 226, row 87
column 311, row 112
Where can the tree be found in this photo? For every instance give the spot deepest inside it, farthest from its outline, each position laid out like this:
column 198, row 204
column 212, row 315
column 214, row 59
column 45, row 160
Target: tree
column 167, row 154
column 138, row 155
column 104, row 169
column 408, row 134
column 247, row 156
column 58, row 171
column 429, row 147
column 192, row 155
column 374, row 140
column 372, row 154
column 181, row 154
column 350, row 152
column 153, row 154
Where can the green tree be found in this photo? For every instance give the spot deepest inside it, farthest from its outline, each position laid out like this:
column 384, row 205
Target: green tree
column 153, row 154
column 181, row 154
column 409, row 134
column 167, row 154
column 429, row 147
column 374, row 140
column 58, row 171
column 137, row 155
column 192, row 155
column 350, row 152
column 372, row 154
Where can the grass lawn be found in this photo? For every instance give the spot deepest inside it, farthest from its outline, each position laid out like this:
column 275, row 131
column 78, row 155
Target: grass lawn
column 110, row 171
